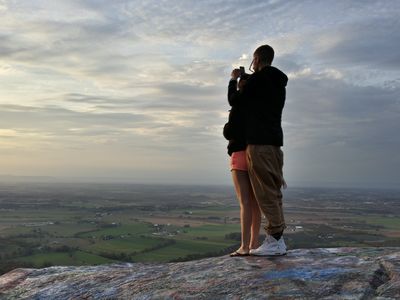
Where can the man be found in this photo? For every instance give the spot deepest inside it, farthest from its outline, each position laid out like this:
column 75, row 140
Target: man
column 264, row 97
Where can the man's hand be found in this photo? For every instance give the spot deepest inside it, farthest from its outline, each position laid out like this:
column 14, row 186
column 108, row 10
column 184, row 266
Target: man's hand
column 235, row 74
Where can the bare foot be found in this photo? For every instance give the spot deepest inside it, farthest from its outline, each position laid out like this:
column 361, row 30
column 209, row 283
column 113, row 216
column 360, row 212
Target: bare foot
column 242, row 251
column 239, row 252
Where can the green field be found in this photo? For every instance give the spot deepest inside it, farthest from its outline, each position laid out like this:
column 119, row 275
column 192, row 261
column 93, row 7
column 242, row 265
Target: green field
column 392, row 223
column 65, row 259
column 90, row 243
column 84, row 224
column 181, row 249
column 212, row 231
column 124, row 229
column 129, row 245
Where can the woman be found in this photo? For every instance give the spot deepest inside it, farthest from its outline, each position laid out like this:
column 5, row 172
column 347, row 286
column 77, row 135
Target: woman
column 234, row 131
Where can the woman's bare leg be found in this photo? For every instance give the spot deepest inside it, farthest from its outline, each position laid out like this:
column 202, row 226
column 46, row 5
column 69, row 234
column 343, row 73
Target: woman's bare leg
column 256, row 221
column 243, row 191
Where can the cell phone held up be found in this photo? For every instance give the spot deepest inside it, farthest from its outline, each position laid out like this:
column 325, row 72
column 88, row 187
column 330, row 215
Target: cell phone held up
column 243, row 74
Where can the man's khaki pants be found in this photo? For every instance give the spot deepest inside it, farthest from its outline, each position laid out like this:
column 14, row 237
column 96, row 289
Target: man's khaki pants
column 265, row 163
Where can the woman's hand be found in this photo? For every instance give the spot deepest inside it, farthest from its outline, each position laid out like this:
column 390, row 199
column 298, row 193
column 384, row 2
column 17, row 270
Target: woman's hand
column 235, row 74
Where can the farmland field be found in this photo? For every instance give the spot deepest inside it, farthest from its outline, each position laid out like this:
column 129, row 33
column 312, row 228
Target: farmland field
column 88, row 224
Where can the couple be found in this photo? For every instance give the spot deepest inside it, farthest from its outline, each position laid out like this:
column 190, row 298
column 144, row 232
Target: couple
column 255, row 136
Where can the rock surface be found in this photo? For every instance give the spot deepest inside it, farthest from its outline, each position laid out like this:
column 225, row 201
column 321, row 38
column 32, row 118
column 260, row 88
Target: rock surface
column 337, row 273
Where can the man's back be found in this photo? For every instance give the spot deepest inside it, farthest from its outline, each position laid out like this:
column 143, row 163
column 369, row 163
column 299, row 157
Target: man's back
column 264, row 97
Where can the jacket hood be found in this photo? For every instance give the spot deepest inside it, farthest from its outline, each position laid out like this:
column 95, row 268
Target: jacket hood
column 277, row 75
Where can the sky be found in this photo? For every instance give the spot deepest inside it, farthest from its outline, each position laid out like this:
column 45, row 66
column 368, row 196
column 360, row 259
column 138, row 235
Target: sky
column 136, row 90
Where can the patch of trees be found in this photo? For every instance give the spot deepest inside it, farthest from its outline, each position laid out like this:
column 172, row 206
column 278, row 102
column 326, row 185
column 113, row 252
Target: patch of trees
column 60, row 249
column 81, row 233
column 35, row 233
column 9, row 265
column 165, row 243
column 23, row 248
column 122, row 256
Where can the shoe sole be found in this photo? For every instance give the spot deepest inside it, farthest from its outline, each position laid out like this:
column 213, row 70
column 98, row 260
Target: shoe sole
column 269, row 254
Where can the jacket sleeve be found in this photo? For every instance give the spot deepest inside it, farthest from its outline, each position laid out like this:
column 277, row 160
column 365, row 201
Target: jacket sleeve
column 233, row 93
column 247, row 94
column 227, row 132
column 233, row 129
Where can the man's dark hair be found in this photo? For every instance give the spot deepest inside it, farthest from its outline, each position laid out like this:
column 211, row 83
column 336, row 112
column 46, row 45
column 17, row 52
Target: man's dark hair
column 265, row 53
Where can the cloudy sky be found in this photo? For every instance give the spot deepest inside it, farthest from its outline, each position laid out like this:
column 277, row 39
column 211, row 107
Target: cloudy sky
column 136, row 90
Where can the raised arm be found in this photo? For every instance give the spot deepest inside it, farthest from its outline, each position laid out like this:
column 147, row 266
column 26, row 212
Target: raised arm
column 233, row 93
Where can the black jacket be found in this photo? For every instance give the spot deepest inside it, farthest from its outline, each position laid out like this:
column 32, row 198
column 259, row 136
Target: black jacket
column 263, row 97
column 235, row 129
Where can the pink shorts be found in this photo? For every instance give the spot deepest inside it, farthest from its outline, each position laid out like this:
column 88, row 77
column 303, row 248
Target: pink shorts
column 238, row 161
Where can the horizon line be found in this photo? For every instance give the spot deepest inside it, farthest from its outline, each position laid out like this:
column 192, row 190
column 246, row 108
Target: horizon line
column 119, row 180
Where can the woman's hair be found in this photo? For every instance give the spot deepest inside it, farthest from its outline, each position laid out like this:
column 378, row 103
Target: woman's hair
column 265, row 53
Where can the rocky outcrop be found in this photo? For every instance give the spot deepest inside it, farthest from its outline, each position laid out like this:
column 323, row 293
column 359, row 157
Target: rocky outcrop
column 340, row 273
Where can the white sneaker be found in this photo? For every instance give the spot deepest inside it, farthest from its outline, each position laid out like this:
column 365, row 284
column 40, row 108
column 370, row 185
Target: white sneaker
column 270, row 246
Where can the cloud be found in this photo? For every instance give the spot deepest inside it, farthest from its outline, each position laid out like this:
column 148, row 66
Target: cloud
column 57, row 121
column 325, row 103
column 334, row 127
column 372, row 44
column 145, row 82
